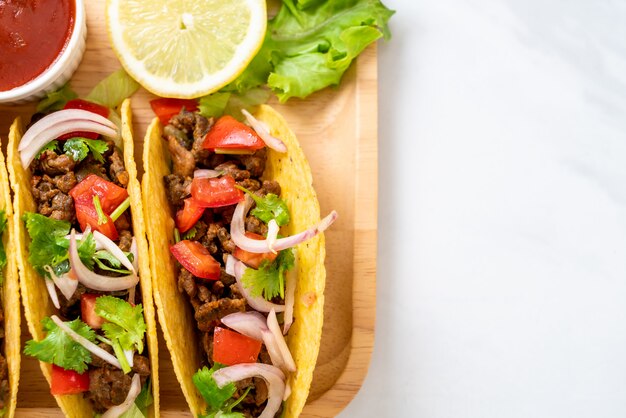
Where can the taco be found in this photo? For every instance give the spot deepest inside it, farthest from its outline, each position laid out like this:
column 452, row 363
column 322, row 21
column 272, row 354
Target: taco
column 83, row 260
column 227, row 286
column 9, row 302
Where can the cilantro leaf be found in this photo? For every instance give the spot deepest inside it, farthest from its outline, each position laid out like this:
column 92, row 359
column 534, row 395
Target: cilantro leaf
column 56, row 100
column 113, row 90
column 125, row 324
column 50, row 146
column 3, row 254
column 269, row 280
column 58, row 348
column 212, row 394
column 48, row 246
column 78, row 148
column 270, row 207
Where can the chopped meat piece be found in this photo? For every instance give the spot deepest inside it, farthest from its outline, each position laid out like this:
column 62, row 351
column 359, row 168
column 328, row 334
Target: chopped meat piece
column 117, row 171
column 177, row 187
column 209, row 313
column 62, row 208
column 250, row 184
column 254, row 163
column 90, row 166
column 64, row 182
column 184, row 121
column 254, row 224
column 53, row 164
column 170, row 130
column 230, row 168
column 202, row 126
column 187, row 283
column 122, row 222
column 261, row 392
column 42, row 190
column 269, row 186
column 141, row 365
column 183, row 161
column 214, row 160
column 126, row 240
column 108, row 387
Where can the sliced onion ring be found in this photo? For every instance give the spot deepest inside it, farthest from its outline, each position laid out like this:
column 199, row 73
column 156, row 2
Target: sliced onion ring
column 53, row 293
column 27, row 155
column 287, row 391
column 260, row 128
column 291, row 278
column 256, row 302
column 61, row 116
column 272, row 234
column 205, row 174
column 238, row 232
column 133, row 392
column 229, row 268
column 271, row 375
column 116, row 251
column 93, row 348
column 65, row 283
column 97, row 281
column 272, row 324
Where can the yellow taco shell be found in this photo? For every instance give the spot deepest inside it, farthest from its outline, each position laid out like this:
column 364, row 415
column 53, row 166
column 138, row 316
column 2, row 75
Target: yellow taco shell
column 37, row 303
column 10, row 295
column 293, row 173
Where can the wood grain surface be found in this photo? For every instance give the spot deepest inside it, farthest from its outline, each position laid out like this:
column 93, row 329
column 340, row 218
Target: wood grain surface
column 338, row 132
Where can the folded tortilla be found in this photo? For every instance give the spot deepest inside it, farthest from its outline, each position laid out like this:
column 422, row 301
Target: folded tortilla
column 10, row 295
column 37, row 303
column 175, row 314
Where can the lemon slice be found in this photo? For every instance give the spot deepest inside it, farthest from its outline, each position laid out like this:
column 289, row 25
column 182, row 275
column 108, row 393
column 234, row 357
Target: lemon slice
column 185, row 48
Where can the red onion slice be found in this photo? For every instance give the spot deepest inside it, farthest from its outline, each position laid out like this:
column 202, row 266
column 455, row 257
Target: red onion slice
column 256, row 302
column 133, row 392
column 272, row 234
column 260, row 128
column 229, row 268
column 251, row 324
column 291, row 279
column 205, row 174
column 93, row 348
column 271, row 375
column 116, row 251
column 287, row 391
column 272, row 324
column 45, row 123
column 238, row 232
column 96, row 281
column 65, row 283
column 52, row 292
column 27, row 155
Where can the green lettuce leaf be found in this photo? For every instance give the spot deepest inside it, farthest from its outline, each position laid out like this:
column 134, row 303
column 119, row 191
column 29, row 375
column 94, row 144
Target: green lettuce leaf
column 58, row 348
column 231, row 103
column 139, row 409
column 113, row 90
column 311, row 43
column 56, row 100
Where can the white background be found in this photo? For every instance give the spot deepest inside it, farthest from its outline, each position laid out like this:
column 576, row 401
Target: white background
column 502, row 225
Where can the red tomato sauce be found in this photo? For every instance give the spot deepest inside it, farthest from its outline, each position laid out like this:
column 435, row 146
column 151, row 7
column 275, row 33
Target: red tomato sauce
column 32, row 35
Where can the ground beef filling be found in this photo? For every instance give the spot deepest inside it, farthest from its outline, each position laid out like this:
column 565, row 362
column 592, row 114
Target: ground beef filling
column 53, row 176
column 214, row 299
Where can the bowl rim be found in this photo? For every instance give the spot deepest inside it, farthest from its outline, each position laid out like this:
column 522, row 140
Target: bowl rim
column 56, row 69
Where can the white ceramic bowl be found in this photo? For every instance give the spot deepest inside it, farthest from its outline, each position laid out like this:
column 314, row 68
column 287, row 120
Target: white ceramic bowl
column 60, row 71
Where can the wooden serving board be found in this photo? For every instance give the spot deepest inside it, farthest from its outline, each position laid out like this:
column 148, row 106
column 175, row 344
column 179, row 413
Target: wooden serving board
column 338, row 132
